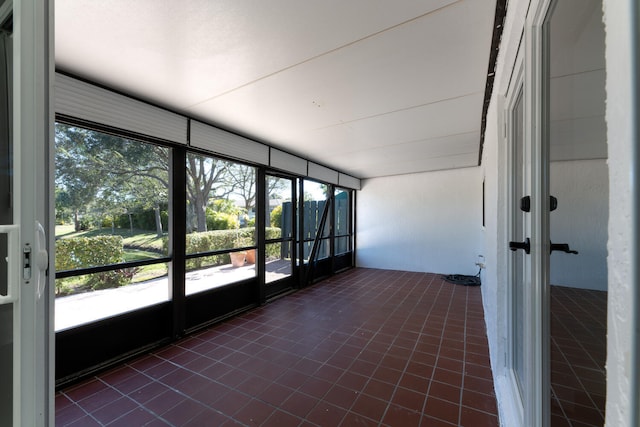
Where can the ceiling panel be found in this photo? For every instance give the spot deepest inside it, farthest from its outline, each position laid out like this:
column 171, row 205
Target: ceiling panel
column 460, row 149
column 422, row 62
column 319, row 79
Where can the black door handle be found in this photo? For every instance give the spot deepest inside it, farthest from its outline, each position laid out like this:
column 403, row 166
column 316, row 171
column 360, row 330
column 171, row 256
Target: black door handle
column 526, row 245
column 562, row 247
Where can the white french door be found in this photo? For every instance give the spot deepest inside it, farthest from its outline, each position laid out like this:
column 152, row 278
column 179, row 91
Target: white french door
column 526, row 115
column 26, row 333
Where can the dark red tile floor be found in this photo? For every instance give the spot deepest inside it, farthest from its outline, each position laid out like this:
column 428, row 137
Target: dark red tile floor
column 364, row 348
column 578, row 354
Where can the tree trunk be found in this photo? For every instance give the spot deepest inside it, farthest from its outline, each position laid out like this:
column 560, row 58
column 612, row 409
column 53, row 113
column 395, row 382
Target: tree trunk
column 158, row 221
column 130, row 224
column 201, row 212
column 76, row 221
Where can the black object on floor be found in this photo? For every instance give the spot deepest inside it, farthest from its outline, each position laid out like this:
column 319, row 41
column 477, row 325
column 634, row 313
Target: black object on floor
column 461, row 279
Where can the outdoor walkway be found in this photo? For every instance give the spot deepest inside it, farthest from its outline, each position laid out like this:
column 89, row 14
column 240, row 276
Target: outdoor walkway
column 78, row 309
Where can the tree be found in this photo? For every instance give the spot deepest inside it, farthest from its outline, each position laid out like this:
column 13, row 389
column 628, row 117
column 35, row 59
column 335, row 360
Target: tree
column 77, row 182
column 203, row 173
column 109, row 173
column 242, row 180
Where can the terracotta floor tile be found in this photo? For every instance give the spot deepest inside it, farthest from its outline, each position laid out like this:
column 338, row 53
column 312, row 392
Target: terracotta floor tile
column 372, row 360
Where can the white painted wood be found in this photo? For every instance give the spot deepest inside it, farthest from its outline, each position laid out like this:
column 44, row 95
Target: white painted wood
column 515, row 404
column 89, row 102
column 322, row 173
column 218, row 141
column 287, row 162
column 537, row 394
column 349, row 181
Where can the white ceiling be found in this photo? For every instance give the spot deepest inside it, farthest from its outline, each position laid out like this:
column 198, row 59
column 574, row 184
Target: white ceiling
column 370, row 87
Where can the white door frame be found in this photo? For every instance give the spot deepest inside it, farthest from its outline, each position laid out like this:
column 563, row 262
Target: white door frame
column 32, row 136
column 536, row 135
column 515, row 91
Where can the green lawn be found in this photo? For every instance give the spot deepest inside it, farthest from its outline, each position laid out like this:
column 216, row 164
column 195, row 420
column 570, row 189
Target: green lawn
column 141, row 240
column 138, row 246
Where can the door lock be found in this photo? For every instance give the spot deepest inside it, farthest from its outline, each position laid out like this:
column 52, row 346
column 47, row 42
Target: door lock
column 526, row 245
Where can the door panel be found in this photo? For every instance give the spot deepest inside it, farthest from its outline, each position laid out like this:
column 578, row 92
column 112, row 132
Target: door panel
column 518, row 234
column 26, row 385
column 578, row 179
column 7, row 295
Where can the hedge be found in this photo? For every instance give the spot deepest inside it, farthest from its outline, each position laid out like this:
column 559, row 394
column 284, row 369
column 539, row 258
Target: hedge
column 222, row 239
column 82, row 252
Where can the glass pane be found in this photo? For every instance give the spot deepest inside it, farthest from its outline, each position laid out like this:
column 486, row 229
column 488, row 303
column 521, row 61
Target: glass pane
column 210, row 272
column 279, row 211
column 315, row 199
column 341, row 212
column 278, row 265
column 87, row 298
column 220, row 204
column 579, row 180
column 6, row 217
column 112, row 197
column 518, row 261
column 343, row 245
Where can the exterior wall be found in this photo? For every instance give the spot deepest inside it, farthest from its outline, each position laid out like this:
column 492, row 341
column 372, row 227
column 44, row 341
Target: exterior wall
column 620, row 116
column 582, row 189
column 618, row 171
column 494, row 277
column 429, row 222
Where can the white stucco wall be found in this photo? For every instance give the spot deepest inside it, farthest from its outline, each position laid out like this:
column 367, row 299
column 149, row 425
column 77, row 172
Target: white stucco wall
column 494, row 276
column 620, row 126
column 430, row 222
column 582, row 190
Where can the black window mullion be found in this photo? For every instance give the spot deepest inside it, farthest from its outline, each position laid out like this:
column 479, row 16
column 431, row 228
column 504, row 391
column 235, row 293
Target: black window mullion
column 352, row 225
column 332, row 227
column 177, row 234
column 300, row 237
column 294, row 230
column 261, row 218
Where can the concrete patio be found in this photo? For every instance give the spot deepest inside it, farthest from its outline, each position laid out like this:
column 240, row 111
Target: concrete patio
column 78, row 309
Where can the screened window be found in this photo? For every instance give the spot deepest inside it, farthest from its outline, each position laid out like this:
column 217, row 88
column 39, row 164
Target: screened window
column 279, row 214
column 342, row 218
column 111, row 208
column 220, row 228
column 314, row 207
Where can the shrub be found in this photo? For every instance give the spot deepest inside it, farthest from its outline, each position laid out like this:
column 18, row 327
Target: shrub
column 82, row 252
column 221, row 221
column 276, row 216
column 219, row 240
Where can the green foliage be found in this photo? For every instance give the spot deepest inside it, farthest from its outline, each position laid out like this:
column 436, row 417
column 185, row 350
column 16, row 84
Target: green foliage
column 276, row 216
column 82, row 252
column 219, row 240
column 221, row 220
column 226, row 206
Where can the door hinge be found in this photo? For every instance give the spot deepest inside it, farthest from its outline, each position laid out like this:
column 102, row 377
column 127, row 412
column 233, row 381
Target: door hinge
column 26, row 262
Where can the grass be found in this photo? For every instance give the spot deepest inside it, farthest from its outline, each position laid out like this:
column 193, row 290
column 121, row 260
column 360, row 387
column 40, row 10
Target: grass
column 139, row 245
column 142, row 240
